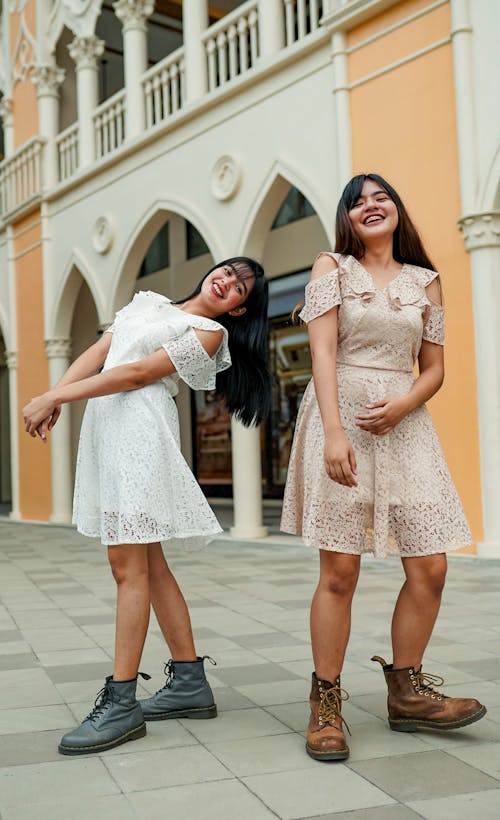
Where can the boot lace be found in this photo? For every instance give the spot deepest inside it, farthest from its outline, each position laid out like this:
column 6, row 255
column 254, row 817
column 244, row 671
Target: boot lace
column 169, row 672
column 330, row 705
column 424, row 682
column 103, row 699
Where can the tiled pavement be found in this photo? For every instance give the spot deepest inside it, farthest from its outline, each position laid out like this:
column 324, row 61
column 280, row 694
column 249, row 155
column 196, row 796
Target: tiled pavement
column 249, row 604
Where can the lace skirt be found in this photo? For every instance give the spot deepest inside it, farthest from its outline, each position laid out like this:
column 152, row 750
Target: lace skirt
column 405, row 503
column 132, row 483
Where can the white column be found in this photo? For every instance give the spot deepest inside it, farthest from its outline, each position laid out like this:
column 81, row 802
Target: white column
column 8, row 125
column 247, row 482
column 271, row 27
column 194, row 25
column 85, row 51
column 47, row 79
column 461, row 38
column 58, row 353
column 133, row 14
column 482, row 239
column 342, row 144
column 11, row 359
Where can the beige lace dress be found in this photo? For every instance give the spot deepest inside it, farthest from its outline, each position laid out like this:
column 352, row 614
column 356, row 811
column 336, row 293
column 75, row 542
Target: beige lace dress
column 405, row 503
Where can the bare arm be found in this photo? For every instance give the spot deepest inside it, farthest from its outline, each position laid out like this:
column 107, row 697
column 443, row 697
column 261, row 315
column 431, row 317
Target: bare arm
column 122, row 378
column 89, row 362
column 340, row 463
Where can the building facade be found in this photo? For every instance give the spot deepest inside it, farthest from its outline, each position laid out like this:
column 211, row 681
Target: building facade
column 145, row 140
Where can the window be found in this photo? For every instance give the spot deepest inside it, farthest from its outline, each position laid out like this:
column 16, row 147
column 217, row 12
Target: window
column 195, row 244
column 295, row 206
column 157, row 256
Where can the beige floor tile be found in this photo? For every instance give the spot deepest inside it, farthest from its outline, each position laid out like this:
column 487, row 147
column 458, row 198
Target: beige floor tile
column 475, row 806
column 221, row 800
column 160, row 768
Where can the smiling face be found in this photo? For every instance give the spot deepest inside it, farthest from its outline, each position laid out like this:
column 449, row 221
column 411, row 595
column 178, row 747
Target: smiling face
column 374, row 215
column 226, row 289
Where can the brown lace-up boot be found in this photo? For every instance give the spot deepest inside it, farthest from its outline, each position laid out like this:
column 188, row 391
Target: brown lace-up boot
column 325, row 738
column 413, row 703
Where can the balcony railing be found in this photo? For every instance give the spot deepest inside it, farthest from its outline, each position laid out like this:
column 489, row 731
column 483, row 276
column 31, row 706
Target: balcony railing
column 109, row 124
column 164, row 88
column 232, row 45
column 301, row 18
column 67, row 152
column 21, row 176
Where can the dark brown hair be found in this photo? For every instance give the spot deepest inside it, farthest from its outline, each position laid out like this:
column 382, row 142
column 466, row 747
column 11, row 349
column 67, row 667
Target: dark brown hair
column 406, row 243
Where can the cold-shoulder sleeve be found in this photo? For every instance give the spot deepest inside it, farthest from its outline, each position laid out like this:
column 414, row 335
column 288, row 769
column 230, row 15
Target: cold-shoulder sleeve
column 322, row 294
column 192, row 362
column 433, row 324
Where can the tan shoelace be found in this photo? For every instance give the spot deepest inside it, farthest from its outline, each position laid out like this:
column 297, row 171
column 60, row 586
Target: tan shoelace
column 330, row 705
column 425, row 682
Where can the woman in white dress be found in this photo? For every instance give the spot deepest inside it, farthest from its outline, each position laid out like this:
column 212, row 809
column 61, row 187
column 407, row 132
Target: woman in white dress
column 133, row 488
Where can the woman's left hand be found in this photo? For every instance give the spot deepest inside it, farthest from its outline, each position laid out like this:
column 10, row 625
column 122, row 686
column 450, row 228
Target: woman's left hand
column 37, row 411
column 384, row 415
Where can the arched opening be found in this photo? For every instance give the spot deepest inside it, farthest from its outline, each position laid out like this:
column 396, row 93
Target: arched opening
column 67, row 92
column 289, row 234
column 5, row 452
column 84, row 332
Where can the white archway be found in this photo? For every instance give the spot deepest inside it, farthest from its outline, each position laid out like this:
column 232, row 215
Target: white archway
column 271, row 194
column 146, row 229
column 59, row 323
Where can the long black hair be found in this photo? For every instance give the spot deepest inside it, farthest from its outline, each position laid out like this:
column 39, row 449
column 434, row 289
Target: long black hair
column 406, row 243
column 246, row 385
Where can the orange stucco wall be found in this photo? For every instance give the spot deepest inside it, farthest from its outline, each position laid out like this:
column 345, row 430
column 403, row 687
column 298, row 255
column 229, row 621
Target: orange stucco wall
column 33, row 376
column 404, row 127
column 24, row 95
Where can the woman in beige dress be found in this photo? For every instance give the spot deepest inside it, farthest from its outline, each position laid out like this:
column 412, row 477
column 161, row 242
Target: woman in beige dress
column 366, row 471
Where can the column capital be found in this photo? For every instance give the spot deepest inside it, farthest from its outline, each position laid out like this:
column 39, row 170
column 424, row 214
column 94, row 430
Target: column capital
column 134, row 13
column 85, row 51
column 481, row 230
column 11, row 359
column 57, row 348
column 6, row 110
column 47, row 79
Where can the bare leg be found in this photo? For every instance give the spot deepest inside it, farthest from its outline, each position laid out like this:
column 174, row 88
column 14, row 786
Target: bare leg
column 170, row 607
column 417, row 608
column 331, row 611
column 129, row 564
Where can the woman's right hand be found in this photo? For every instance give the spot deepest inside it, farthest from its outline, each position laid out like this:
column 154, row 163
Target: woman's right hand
column 340, row 461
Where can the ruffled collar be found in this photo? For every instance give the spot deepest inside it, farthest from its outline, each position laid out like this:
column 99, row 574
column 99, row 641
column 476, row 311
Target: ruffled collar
column 404, row 289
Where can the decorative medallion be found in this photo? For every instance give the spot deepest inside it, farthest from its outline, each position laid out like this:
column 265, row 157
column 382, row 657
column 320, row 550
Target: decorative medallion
column 226, row 178
column 103, row 235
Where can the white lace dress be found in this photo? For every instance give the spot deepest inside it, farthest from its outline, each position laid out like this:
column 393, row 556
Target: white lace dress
column 405, row 502
column 132, row 484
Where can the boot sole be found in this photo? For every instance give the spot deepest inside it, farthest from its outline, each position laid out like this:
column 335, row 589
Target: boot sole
column 413, row 725
column 341, row 754
column 203, row 713
column 134, row 734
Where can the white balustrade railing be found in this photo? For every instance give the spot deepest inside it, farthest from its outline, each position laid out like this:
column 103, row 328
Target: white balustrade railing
column 164, row 88
column 232, row 45
column 109, row 124
column 67, row 152
column 301, row 18
column 21, row 176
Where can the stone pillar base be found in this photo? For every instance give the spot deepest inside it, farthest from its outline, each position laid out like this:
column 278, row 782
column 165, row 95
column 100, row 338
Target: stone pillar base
column 488, row 549
column 248, row 533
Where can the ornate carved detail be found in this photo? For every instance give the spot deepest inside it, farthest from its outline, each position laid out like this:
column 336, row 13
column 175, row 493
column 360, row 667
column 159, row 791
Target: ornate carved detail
column 58, row 348
column 6, row 111
column 226, row 177
column 481, row 230
column 47, row 79
column 11, row 359
column 134, row 13
column 23, row 55
column 103, row 234
column 86, row 50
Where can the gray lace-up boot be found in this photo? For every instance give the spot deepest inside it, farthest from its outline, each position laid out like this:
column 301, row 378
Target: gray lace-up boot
column 115, row 719
column 186, row 693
